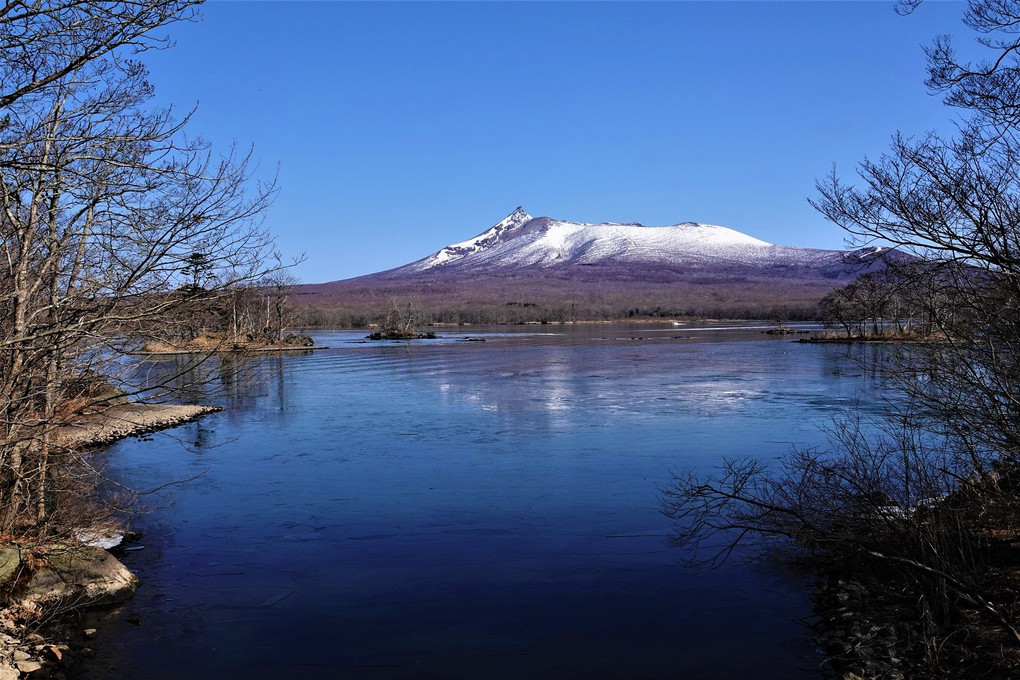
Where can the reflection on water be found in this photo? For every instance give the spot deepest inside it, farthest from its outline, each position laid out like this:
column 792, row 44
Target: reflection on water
column 452, row 509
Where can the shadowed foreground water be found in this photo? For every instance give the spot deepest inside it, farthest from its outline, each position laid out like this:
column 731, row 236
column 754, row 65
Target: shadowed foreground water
column 451, row 509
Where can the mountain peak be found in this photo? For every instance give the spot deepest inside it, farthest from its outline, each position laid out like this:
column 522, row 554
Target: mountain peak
column 512, row 222
column 518, row 214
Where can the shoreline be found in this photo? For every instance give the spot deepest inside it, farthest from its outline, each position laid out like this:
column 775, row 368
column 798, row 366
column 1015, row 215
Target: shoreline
column 858, row 341
column 88, row 577
column 245, row 350
column 128, row 420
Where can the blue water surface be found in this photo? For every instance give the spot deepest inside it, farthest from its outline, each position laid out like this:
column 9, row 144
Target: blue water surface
column 465, row 509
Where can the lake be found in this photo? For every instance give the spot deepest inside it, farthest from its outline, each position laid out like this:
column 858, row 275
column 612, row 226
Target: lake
column 464, row 509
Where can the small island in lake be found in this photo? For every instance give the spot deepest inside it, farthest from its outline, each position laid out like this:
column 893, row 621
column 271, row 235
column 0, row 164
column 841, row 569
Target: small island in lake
column 216, row 342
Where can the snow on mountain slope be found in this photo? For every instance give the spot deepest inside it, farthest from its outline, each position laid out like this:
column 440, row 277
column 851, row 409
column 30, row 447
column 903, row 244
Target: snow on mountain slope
column 521, row 241
column 510, row 223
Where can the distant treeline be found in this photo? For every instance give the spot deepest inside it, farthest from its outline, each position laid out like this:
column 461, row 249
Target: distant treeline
column 509, row 300
column 510, row 313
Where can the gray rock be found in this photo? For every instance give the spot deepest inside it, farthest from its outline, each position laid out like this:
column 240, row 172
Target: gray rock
column 82, row 577
column 28, row 666
column 10, row 558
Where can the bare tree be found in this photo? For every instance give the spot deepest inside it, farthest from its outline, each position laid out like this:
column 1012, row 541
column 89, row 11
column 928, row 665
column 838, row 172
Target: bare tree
column 928, row 495
column 903, row 295
column 401, row 322
column 277, row 289
column 842, row 308
column 112, row 222
column 43, row 42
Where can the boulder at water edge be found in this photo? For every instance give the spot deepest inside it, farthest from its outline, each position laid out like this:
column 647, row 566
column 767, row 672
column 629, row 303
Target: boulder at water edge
column 79, row 577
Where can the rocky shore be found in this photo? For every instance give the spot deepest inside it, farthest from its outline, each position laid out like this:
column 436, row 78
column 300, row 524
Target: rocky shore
column 45, row 585
column 878, row 627
column 859, row 637
column 58, row 581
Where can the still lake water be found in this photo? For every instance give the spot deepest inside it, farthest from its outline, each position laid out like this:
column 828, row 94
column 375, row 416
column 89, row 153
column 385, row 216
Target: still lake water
column 452, row 509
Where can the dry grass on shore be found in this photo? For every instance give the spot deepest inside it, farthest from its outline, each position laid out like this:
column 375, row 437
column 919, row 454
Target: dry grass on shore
column 215, row 343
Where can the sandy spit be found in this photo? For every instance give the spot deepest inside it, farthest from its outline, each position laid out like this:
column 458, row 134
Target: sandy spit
column 118, row 422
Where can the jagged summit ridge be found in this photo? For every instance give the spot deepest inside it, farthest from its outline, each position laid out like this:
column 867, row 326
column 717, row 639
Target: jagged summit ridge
column 513, row 221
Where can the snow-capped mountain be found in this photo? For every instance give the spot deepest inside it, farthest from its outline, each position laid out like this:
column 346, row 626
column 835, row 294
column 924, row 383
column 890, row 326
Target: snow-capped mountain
column 543, row 246
column 528, row 268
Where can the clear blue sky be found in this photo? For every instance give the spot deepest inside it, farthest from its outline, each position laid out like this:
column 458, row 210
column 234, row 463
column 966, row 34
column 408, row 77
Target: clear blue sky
column 399, row 128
